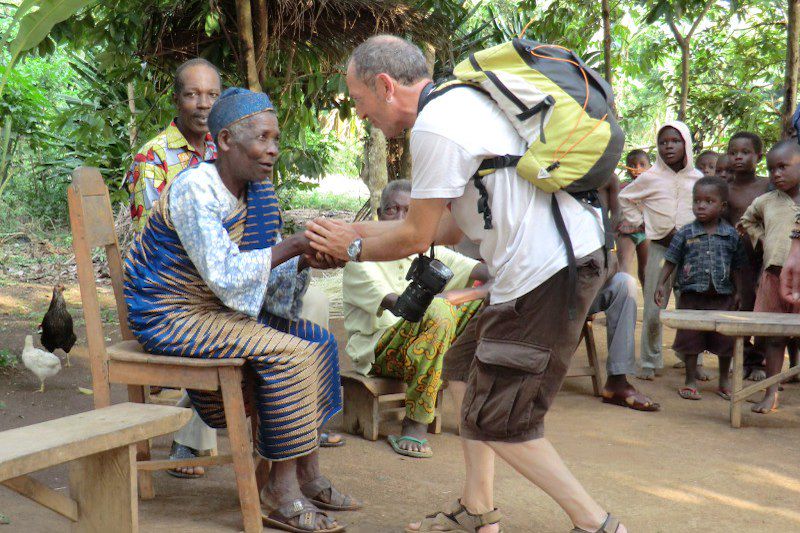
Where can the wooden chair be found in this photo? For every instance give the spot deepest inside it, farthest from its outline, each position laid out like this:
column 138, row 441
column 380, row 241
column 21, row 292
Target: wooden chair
column 594, row 369
column 126, row 362
column 369, row 400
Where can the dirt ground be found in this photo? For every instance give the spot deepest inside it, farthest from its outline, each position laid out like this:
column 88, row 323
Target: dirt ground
column 682, row 469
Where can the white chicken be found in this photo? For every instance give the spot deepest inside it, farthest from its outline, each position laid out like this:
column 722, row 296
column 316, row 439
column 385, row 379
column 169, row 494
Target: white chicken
column 43, row 364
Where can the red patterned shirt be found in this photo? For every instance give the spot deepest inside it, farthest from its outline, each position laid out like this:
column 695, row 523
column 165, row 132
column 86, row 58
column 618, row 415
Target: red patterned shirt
column 156, row 164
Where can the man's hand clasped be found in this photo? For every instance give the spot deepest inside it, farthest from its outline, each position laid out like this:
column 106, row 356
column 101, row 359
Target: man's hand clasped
column 331, row 237
column 309, row 257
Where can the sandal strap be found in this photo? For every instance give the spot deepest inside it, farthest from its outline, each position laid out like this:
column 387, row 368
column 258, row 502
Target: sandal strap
column 315, row 486
column 421, row 442
column 306, row 512
column 459, row 515
column 610, row 525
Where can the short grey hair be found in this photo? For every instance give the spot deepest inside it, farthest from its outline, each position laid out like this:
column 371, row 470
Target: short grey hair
column 393, row 187
column 388, row 54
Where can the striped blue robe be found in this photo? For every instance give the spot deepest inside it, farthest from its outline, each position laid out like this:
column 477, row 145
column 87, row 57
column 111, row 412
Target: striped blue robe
column 174, row 311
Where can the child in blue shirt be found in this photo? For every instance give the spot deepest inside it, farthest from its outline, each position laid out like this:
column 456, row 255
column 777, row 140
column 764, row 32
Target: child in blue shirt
column 708, row 255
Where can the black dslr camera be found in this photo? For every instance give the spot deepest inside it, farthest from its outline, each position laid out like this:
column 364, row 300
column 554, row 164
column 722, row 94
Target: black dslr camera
column 428, row 278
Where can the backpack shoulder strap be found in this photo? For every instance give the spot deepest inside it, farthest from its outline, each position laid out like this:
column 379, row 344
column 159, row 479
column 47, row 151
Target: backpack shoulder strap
column 432, row 91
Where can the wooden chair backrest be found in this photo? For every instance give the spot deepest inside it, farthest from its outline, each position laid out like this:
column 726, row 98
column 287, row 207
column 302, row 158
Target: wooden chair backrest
column 92, row 222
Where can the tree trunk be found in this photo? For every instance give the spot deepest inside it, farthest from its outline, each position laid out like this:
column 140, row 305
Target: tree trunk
column 7, row 148
column 244, row 19
column 373, row 172
column 261, row 37
column 430, row 57
column 606, row 13
column 684, row 42
column 792, row 66
column 684, row 80
column 133, row 131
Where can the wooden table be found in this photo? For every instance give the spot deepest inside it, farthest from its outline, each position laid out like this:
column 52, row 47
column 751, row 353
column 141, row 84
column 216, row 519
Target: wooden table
column 739, row 324
column 100, row 447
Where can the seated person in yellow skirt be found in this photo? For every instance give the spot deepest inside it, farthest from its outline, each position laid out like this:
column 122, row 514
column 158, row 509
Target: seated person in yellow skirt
column 382, row 344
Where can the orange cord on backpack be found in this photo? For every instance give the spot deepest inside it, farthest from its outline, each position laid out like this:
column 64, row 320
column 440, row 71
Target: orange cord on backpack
column 558, row 154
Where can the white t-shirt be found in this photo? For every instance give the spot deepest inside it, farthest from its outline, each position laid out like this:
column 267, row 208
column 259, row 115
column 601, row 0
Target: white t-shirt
column 453, row 134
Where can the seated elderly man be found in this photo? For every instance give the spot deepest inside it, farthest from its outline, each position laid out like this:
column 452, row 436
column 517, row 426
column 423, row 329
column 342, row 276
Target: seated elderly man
column 210, row 277
column 382, row 344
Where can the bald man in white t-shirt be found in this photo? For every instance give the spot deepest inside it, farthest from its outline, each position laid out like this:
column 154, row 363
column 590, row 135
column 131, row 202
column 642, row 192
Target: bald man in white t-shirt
column 516, row 351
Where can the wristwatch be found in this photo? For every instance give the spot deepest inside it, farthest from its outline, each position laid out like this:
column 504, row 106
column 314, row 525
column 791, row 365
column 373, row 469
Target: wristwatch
column 354, row 250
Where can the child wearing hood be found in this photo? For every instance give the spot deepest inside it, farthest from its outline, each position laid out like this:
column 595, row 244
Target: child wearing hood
column 661, row 197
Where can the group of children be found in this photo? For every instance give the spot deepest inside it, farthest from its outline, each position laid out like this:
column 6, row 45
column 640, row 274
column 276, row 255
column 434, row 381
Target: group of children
column 719, row 235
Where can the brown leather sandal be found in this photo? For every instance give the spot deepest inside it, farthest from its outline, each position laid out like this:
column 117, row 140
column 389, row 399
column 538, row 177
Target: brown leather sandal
column 611, row 525
column 457, row 519
column 325, row 496
column 305, row 513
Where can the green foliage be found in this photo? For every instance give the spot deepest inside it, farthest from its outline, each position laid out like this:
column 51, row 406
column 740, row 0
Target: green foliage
column 70, row 106
column 7, row 360
column 313, row 199
column 36, row 18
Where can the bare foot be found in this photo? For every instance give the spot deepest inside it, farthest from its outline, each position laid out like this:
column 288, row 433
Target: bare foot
column 190, row 470
column 768, row 405
column 679, row 364
column 646, row 374
column 178, row 452
column 702, row 374
column 416, row 430
column 758, row 374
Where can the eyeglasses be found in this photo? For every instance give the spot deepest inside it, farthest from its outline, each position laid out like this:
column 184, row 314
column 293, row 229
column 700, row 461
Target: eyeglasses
column 392, row 210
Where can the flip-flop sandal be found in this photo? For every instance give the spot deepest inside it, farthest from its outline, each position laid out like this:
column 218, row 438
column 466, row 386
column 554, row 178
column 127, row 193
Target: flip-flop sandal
column 611, row 525
column 307, row 513
column 724, row 393
column 336, row 501
column 326, row 442
column 688, row 393
column 179, row 451
column 457, row 519
column 395, row 441
column 633, row 400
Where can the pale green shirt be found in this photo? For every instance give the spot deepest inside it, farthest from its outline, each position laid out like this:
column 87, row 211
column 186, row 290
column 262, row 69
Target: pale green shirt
column 364, row 287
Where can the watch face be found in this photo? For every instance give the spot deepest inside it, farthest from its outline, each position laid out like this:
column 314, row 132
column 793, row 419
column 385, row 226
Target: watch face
column 354, row 249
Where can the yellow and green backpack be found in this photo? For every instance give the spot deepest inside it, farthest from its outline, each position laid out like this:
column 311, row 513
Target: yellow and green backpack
column 560, row 106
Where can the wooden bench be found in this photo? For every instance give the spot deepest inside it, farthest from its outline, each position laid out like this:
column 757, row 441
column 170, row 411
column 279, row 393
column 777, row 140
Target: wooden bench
column 739, row 324
column 369, row 400
column 100, row 447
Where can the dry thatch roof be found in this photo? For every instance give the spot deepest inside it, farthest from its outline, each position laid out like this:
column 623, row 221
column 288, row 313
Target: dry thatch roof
column 330, row 28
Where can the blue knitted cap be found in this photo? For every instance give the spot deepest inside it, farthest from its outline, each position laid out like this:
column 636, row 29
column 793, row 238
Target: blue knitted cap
column 233, row 105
